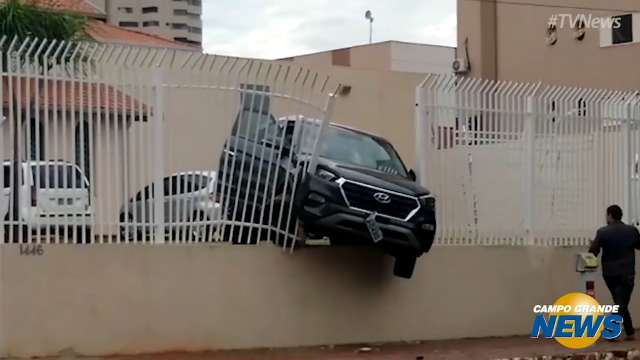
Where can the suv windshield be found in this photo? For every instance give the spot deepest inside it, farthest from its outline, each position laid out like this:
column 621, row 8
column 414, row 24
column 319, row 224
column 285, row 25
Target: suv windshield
column 354, row 148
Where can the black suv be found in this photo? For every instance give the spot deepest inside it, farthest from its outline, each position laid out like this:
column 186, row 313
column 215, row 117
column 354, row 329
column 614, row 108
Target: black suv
column 360, row 193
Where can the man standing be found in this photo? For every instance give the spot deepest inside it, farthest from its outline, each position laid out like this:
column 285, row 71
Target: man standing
column 618, row 242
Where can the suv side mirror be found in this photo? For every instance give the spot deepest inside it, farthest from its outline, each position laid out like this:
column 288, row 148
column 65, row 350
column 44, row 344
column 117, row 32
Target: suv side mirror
column 412, row 175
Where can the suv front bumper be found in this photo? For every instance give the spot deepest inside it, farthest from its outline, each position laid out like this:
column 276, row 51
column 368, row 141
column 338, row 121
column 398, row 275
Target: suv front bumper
column 323, row 210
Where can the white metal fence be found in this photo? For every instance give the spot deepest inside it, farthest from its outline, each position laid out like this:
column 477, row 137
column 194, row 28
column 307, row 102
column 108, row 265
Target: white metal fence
column 526, row 164
column 116, row 144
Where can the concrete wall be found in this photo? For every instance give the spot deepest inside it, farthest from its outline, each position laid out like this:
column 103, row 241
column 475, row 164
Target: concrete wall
column 420, row 58
column 132, row 299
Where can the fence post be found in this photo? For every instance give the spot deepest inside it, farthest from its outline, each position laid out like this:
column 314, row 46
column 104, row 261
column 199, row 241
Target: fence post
column 422, row 141
column 628, row 160
column 328, row 115
column 530, row 152
column 158, row 156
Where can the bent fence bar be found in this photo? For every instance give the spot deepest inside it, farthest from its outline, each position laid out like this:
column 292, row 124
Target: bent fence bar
column 117, row 144
column 526, row 163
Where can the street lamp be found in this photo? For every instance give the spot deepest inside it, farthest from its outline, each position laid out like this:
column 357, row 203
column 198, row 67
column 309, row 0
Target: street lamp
column 369, row 16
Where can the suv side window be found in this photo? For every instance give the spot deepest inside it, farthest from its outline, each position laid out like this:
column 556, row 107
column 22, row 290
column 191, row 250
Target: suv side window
column 174, row 185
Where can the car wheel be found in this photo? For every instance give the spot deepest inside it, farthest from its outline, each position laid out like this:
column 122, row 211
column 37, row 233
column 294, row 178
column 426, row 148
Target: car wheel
column 404, row 266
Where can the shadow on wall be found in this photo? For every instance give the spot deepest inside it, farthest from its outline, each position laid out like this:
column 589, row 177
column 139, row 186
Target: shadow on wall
column 366, row 266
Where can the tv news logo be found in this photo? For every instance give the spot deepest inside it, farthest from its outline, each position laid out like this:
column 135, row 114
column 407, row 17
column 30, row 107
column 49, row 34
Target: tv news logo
column 576, row 321
column 584, row 21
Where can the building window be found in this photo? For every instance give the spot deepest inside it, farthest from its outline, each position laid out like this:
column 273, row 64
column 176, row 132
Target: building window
column 195, row 2
column 624, row 32
column 179, row 26
column 150, row 23
column 149, row 9
column 195, row 30
column 180, row 12
column 128, row 23
column 125, row 9
column 181, row 39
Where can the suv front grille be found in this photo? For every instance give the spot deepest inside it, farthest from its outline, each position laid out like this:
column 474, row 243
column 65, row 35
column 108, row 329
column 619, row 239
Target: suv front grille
column 362, row 197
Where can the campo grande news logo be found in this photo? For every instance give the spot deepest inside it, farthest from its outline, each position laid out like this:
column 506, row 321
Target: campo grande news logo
column 576, row 321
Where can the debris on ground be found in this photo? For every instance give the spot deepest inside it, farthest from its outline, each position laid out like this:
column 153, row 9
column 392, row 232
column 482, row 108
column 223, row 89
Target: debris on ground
column 632, row 354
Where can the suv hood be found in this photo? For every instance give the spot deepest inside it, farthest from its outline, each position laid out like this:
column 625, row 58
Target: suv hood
column 374, row 178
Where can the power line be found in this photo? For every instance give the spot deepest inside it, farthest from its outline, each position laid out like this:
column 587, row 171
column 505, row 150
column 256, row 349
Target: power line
column 527, row 3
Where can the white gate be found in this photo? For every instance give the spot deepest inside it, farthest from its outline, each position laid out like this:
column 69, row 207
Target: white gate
column 526, row 163
column 119, row 144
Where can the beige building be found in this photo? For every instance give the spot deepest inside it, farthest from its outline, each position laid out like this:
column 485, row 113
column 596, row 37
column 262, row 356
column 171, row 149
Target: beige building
column 177, row 20
column 379, row 82
column 517, row 40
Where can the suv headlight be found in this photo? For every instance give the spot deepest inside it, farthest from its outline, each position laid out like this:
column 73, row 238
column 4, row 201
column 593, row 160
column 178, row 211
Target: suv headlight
column 326, row 175
column 428, row 202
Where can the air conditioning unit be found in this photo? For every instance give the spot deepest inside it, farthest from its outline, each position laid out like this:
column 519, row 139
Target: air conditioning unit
column 460, row 66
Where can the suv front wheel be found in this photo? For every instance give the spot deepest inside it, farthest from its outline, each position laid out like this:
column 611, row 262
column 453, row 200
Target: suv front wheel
column 404, row 266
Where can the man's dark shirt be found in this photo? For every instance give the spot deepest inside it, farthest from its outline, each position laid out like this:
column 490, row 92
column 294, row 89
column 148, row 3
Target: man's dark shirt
column 618, row 242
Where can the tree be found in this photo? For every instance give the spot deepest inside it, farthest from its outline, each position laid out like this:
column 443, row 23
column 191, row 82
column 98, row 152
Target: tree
column 20, row 20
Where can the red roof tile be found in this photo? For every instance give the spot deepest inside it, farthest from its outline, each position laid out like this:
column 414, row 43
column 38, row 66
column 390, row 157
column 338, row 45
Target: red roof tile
column 84, row 7
column 106, row 33
column 74, row 96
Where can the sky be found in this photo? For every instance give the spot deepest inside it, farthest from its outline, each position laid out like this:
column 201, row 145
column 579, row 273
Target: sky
column 274, row 29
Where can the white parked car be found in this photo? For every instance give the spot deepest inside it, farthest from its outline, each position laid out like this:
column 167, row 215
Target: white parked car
column 189, row 204
column 54, row 197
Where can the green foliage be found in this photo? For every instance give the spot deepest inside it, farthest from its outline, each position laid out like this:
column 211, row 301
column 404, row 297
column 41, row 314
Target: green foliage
column 22, row 20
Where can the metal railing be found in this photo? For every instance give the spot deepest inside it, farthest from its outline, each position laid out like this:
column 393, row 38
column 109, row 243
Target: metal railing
column 526, row 163
column 117, row 144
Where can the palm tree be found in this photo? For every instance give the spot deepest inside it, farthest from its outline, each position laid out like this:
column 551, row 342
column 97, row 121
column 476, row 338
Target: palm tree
column 21, row 20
